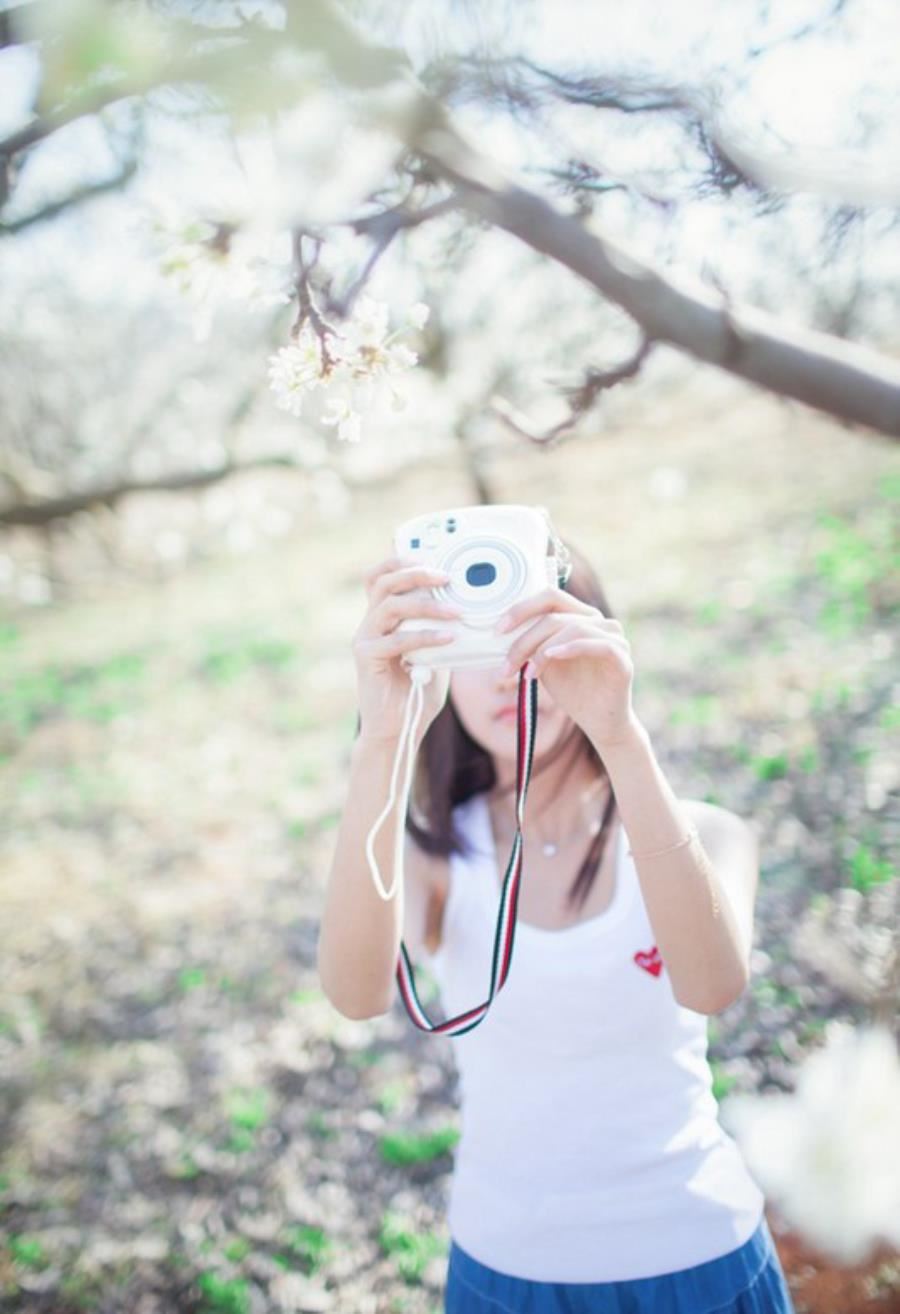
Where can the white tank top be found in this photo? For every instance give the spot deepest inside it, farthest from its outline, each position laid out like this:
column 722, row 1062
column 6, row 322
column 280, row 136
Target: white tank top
column 590, row 1146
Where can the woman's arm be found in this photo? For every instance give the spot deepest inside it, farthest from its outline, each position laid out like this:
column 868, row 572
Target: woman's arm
column 359, row 934
column 699, row 897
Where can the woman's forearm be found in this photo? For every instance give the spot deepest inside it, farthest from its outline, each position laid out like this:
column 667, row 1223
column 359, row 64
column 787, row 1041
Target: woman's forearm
column 360, row 932
column 696, row 931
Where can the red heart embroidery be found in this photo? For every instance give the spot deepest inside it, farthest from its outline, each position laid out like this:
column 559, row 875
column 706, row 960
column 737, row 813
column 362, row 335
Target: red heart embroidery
column 649, row 960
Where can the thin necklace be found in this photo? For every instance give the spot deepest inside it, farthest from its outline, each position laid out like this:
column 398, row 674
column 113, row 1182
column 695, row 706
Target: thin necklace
column 550, row 847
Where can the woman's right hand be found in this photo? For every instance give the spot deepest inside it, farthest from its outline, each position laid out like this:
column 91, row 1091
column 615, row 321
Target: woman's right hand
column 398, row 591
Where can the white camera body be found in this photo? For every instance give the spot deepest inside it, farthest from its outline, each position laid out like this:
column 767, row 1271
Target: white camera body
column 495, row 556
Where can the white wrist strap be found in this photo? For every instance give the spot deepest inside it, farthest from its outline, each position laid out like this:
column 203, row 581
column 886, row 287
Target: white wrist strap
column 412, row 714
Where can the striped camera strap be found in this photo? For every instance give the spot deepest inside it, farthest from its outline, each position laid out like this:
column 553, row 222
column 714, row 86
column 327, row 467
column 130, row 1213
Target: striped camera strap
column 504, row 938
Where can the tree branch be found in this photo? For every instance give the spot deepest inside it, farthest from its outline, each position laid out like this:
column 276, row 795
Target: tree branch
column 36, row 514
column 733, row 163
column 85, row 193
column 232, row 56
column 848, row 381
column 383, row 227
column 582, row 399
column 9, row 35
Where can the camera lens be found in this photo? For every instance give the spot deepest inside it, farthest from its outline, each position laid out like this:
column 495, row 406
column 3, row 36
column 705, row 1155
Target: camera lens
column 481, row 574
column 487, row 574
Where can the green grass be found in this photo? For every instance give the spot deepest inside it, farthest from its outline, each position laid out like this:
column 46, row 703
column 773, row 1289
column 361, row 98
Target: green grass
column 237, row 1249
column 410, row 1250
column 850, row 563
column 406, row 1147
column 723, row 1081
column 186, row 1170
column 811, row 1030
column 318, row 1125
column 312, row 995
column 769, row 994
column 28, row 1252
column 866, row 870
column 392, row 1096
column 247, row 1111
column 81, row 1290
column 229, row 657
column 249, row 1108
column 365, row 1058
column 772, row 767
column 189, row 978
column 224, row 1295
column 700, row 710
column 91, row 693
column 311, row 1245
column 709, row 613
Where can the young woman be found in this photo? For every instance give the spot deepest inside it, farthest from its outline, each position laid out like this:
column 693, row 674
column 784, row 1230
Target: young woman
column 592, row 1173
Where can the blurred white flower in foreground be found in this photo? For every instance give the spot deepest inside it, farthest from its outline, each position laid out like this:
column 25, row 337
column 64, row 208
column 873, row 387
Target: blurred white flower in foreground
column 212, row 262
column 85, row 41
column 365, row 360
column 828, row 1155
column 321, row 159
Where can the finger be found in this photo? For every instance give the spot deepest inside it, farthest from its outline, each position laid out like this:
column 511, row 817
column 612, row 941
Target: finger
column 401, row 641
column 404, row 579
column 542, row 631
column 577, row 647
column 401, row 606
column 556, row 629
column 374, row 572
column 549, row 599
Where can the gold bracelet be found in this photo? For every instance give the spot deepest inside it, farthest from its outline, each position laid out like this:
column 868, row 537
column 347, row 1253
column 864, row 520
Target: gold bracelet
column 652, row 853
column 705, row 864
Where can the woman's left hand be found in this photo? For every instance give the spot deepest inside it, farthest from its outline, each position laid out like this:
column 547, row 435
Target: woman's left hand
column 582, row 659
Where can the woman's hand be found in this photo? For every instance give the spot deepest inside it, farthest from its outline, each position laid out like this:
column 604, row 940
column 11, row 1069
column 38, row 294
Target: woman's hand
column 396, row 592
column 582, row 659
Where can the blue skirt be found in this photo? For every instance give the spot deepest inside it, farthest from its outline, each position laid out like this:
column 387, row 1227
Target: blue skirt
column 749, row 1280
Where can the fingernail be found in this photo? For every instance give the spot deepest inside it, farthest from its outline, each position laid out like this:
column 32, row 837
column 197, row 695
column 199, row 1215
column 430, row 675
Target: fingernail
column 529, row 671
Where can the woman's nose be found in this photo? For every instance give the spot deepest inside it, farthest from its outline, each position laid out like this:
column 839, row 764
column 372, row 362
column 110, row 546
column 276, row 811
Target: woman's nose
column 506, row 681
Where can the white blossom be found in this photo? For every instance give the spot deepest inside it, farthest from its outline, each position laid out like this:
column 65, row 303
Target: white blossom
column 339, row 411
column 418, row 314
column 296, row 369
column 828, row 1155
column 367, row 348
column 366, row 361
column 369, row 323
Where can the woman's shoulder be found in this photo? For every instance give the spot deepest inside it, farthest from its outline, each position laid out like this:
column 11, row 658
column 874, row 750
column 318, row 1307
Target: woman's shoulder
column 713, row 821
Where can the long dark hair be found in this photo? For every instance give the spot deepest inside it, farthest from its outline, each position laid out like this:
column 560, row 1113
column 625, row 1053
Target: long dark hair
column 451, row 767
